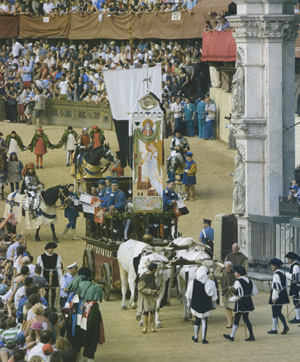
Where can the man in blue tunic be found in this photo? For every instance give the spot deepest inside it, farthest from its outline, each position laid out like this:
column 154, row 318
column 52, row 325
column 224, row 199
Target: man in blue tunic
column 189, row 176
column 169, row 201
column 101, row 189
column 108, row 181
column 71, row 214
column 115, row 203
column 207, row 236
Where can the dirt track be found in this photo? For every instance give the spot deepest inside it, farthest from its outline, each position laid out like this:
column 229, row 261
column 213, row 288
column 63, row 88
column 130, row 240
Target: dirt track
column 124, row 340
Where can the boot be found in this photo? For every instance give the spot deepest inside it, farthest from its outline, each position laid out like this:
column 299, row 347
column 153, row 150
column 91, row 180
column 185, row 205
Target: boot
column 65, row 232
column 73, row 237
column 192, row 193
column 152, row 322
column 229, row 318
column 187, row 191
column 145, row 322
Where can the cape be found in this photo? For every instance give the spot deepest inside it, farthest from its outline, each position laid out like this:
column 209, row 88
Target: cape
column 101, row 135
column 64, row 138
column 18, row 139
column 35, row 139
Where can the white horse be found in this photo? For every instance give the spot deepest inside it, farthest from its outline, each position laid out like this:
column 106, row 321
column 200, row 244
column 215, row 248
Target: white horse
column 135, row 255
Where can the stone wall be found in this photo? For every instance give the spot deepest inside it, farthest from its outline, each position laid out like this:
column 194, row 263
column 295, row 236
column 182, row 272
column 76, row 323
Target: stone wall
column 76, row 114
column 222, row 100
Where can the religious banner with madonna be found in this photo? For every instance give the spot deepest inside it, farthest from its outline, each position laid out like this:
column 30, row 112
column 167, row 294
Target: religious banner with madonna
column 147, row 161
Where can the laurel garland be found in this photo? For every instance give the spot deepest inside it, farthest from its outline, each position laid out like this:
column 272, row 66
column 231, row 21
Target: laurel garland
column 136, row 215
column 18, row 140
column 64, row 138
column 35, row 139
column 101, row 134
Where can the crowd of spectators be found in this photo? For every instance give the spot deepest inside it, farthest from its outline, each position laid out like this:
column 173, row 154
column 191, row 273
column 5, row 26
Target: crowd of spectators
column 73, row 71
column 29, row 329
column 38, row 8
column 219, row 23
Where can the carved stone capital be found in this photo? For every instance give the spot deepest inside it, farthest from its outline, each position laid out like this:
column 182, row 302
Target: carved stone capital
column 274, row 28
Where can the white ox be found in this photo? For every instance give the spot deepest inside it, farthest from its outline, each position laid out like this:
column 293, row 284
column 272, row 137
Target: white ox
column 192, row 251
column 126, row 254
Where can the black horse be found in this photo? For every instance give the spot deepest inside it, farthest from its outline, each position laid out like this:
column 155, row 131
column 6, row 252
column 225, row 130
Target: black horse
column 48, row 200
column 94, row 155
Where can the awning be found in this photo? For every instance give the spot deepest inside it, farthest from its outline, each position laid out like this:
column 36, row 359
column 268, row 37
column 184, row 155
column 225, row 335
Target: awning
column 218, row 46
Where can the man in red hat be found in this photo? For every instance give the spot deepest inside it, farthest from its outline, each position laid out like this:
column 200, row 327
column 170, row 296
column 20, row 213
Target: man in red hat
column 39, row 144
column 97, row 137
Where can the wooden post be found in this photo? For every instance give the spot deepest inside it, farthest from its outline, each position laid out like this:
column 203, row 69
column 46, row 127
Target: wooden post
column 129, row 26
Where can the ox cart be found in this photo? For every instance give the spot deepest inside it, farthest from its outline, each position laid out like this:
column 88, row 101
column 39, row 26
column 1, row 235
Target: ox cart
column 101, row 259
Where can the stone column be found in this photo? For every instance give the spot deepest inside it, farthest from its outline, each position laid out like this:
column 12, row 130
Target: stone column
column 263, row 103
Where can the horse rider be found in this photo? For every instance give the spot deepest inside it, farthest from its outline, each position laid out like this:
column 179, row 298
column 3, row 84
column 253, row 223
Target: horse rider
column 83, row 143
column 31, row 184
column 179, row 147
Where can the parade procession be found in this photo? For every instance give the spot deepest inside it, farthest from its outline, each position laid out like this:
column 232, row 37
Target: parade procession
column 149, row 178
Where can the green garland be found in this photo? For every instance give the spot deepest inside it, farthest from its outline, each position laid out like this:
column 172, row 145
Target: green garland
column 18, row 139
column 136, row 215
column 64, row 138
column 101, row 135
column 35, row 139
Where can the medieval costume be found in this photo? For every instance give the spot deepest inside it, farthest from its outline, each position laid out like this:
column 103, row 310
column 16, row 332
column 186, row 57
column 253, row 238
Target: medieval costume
column 31, row 185
column 200, row 294
column 147, row 295
column 68, row 140
column 71, row 214
column 97, row 137
column 117, row 170
column 227, row 282
column 14, row 143
column 84, row 324
column 243, row 289
column 14, row 171
column 278, row 296
column 179, row 146
column 2, row 142
column 189, row 176
column 115, row 203
column 51, row 262
column 39, row 144
column 294, row 288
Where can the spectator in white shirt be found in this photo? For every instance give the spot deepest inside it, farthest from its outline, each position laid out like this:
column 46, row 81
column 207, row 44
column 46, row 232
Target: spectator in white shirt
column 63, row 87
column 48, row 7
column 45, row 337
column 16, row 47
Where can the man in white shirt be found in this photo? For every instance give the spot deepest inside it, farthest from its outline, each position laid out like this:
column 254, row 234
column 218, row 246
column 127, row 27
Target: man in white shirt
column 210, row 109
column 48, row 7
column 176, row 110
column 45, row 337
column 16, row 47
column 63, row 88
column 21, row 292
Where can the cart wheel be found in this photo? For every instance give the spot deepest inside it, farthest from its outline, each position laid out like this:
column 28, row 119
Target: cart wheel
column 106, row 275
column 88, row 261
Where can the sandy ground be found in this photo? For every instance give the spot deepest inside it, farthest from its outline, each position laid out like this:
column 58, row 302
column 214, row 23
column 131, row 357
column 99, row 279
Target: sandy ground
column 124, row 340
